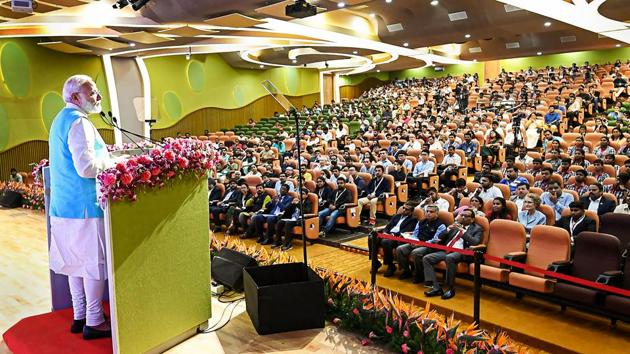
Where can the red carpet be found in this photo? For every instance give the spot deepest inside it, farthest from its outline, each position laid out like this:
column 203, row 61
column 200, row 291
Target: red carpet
column 49, row 333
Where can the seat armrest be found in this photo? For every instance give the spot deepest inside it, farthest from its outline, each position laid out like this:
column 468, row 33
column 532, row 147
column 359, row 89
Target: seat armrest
column 520, row 257
column 349, row 205
column 309, row 216
column 563, row 267
column 481, row 248
column 612, row 277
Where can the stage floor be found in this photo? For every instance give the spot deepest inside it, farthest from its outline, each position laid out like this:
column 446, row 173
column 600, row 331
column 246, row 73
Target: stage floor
column 24, row 290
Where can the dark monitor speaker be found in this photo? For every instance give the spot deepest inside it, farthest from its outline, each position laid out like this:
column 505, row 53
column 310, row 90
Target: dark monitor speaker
column 227, row 268
column 11, row 199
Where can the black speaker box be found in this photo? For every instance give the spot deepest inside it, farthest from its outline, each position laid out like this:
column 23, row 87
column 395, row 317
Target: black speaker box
column 11, row 199
column 227, row 268
column 284, row 297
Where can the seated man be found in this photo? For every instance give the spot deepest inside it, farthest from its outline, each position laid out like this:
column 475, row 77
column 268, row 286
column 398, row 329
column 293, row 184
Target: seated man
column 519, row 196
column 232, row 196
column 399, row 223
column 579, row 185
column 291, row 217
column 545, row 175
column 426, row 230
column 252, row 206
column 462, row 234
column 596, row 201
column 433, row 198
column 556, row 198
column 377, row 187
column 487, row 190
column 577, row 221
column 333, row 206
column 512, row 179
column 449, row 167
column 269, row 216
column 214, row 194
column 421, row 172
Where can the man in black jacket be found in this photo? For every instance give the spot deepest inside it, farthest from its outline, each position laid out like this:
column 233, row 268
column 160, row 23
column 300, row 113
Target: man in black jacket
column 333, row 206
column 462, row 234
column 292, row 217
column 427, row 230
column 252, row 205
column 377, row 187
column 323, row 191
column 399, row 223
column 232, row 196
column 577, row 222
column 596, row 201
column 214, row 194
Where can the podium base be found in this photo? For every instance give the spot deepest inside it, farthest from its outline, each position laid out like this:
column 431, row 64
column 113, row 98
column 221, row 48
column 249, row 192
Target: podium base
column 50, row 333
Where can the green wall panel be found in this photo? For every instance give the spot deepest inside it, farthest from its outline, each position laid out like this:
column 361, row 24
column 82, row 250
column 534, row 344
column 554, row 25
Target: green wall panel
column 172, row 104
column 4, row 128
column 566, row 59
column 16, row 70
column 30, row 73
column 196, row 76
column 224, row 86
column 52, row 103
column 161, row 264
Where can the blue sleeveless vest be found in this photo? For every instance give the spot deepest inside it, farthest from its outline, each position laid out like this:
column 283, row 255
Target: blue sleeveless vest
column 71, row 196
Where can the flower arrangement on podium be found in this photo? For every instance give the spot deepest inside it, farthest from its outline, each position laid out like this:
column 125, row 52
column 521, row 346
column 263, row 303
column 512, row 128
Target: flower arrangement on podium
column 176, row 158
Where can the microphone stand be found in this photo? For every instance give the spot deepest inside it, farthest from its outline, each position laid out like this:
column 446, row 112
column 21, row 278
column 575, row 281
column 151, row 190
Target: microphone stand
column 113, row 122
column 296, row 116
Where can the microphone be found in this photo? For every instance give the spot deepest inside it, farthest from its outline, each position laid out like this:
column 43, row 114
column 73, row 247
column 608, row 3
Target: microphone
column 113, row 122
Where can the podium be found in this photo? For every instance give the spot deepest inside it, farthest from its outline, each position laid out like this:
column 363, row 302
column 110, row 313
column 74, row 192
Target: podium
column 158, row 264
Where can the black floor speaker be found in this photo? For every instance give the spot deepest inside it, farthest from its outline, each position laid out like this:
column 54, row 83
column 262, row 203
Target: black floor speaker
column 227, row 268
column 284, row 297
column 11, row 199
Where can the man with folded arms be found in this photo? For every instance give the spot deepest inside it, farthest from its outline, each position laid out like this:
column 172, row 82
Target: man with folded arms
column 403, row 222
column 461, row 235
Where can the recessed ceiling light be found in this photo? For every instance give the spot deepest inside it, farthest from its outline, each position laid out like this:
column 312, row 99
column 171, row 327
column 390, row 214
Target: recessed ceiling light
column 539, row 53
column 547, row 24
column 294, row 61
column 355, row 52
column 467, row 35
column 617, row 45
column 132, row 44
column 434, row 3
column 372, row 15
column 261, row 66
column 378, row 71
column 475, row 60
column 406, row 44
column 388, row 1
column 341, row 4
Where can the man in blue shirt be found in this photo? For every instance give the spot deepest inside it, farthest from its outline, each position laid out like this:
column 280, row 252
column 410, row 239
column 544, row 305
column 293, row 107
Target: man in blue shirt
column 469, row 146
column 512, row 179
column 421, row 171
column 552, row 117
column 555, row 198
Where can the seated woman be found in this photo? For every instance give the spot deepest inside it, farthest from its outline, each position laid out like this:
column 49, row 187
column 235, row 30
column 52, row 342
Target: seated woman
column 530, row 216
column 248, row 161
column 476, row 204
column 499, row 210
column 490, row 151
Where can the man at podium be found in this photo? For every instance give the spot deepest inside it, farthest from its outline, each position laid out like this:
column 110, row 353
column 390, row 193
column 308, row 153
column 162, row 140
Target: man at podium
column 77, row 246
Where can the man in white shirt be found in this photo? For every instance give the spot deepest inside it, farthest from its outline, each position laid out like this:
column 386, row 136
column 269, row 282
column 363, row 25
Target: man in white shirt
column 434, row 198
column 523, row 157
column 487, row 190
column 421, row 171
column 519, row 197
column 449, row 166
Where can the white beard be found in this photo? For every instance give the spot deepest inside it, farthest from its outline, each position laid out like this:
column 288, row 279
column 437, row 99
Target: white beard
column 91, row 108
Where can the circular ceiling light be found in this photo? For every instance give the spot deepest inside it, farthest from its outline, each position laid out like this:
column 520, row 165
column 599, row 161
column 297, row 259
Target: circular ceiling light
column 261, row 66
column 341, row 4
column 467, row 36
column 434, row 3
column 294, row 61
column 132, row 44
column 539, row 53
column 388, row 1
column 406, row 44
column 547, row 24
column 617, row 45
column 355, row 52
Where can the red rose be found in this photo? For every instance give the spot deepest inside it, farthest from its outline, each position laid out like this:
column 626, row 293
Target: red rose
column 132, row 162
column 388, row 329
column 155, row 171
column 145, row 176
column 126, row 179
column 121, row 167
column 169, row 155
column 109, row 179
column 404, row 348
column 144, row 159
column 182, row 162
column 170, row 174
column 365, row 341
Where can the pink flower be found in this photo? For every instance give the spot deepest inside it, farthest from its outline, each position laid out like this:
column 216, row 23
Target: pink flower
column 449, row 351
column 126, row 179
column 388, row 329
column 336, row 321
column 145, row 176
column 155, row 171
column 182, row 162
column 355, row 311
column 330, row 302
column 170, row 174
column 144, row 160
column 404, row 348
column 419, row 352
column 132, row 162
column 405, row 333
column 169, row 155
column 109, row 179
column 365, row 342
column 371, row 335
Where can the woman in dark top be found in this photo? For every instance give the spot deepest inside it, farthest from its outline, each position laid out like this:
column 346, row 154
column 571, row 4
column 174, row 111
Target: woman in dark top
column 499, row 210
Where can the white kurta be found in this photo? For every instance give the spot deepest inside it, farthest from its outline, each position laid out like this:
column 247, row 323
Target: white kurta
column 77, row 246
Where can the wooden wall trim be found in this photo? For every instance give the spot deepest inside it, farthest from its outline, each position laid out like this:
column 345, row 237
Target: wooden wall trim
column 354, row 91
column 214, row 119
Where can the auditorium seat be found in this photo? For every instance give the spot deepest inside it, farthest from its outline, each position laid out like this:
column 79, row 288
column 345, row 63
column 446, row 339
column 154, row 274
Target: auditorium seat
column 595, row 253
column 505, row 237
column 550, row 214
column 352, row 219
column 617, row 225
column 311, row 219
column 389, row 203
column 547, row 244
column 617, row 303
column 449, row 198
